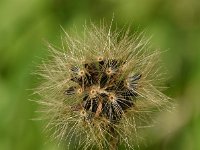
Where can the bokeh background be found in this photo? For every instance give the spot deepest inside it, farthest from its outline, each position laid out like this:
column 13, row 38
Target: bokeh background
column 25, row 24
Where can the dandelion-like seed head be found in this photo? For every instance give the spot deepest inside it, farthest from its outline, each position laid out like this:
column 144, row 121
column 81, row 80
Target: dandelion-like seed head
column 100, row 89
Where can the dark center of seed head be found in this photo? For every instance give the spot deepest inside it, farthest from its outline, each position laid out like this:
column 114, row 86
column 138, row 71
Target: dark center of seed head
column 102, row 86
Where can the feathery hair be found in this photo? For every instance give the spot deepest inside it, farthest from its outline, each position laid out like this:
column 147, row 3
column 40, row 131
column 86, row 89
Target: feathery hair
column 98, row 90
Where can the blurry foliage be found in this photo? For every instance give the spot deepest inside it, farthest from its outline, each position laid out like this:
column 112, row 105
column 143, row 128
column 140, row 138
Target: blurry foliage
column 24, row 25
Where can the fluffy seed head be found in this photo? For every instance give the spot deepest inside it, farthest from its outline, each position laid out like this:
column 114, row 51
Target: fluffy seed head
column 100, row 89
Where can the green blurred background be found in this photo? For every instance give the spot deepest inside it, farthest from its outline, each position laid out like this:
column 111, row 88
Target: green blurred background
column 25, row 24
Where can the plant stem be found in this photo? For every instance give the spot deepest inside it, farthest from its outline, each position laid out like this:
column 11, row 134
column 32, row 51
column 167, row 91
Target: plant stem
column 113, row 143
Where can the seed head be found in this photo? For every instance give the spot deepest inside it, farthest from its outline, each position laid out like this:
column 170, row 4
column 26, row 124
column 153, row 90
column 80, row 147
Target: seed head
column 97, row 91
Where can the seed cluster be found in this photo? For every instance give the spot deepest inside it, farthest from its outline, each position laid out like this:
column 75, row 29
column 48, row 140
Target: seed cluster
column 106, row 93
column 111, row 82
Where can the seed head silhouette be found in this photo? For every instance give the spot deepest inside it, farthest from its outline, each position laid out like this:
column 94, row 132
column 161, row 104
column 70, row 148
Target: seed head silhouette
column 99, row 90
